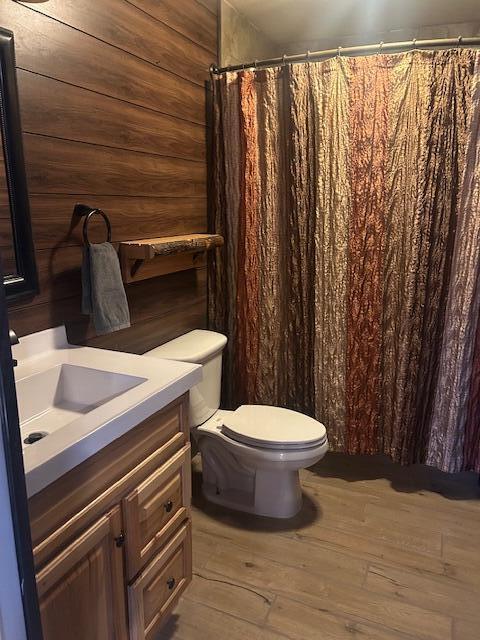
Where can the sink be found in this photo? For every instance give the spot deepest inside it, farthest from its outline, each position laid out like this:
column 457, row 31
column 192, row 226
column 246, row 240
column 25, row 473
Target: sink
column 54, row 398
column 83, row 399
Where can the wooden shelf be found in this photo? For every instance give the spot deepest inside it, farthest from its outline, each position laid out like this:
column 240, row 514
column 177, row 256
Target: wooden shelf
column 151, row 257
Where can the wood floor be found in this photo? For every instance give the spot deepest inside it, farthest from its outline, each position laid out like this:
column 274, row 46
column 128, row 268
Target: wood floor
column 378, row 552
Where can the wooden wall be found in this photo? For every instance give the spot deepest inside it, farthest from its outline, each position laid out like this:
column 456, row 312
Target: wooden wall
column 112, row 99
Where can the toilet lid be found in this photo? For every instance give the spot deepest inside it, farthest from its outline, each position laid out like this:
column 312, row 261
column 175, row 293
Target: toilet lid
column 273, row 428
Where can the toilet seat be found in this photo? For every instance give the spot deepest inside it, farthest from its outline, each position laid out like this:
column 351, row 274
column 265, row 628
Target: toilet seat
column 269, row 427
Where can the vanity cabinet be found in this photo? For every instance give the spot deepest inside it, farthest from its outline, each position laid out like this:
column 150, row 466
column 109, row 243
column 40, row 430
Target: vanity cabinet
column 112, row 537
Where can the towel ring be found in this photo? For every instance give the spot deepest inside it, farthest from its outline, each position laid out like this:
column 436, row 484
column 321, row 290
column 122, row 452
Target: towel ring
column 88, row 212
column 107, row 222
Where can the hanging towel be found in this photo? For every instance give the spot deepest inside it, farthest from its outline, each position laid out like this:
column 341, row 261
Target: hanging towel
column 103, row 293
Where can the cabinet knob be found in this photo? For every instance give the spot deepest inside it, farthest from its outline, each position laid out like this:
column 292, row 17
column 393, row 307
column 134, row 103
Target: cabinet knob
column 120, row 541
column 168, row 506
column 171, row 583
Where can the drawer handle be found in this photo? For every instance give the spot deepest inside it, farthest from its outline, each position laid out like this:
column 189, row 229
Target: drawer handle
column 168, row 506
column 171, row 583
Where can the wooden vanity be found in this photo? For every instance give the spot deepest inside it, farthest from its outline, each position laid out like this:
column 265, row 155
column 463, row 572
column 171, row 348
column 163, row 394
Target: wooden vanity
column 112, row 537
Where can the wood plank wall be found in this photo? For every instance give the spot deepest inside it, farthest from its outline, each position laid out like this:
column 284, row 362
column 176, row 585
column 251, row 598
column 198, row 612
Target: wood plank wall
column 112, row 99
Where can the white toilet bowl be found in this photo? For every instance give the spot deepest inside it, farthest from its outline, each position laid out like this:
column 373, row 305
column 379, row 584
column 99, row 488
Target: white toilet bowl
column 250, row 457
column 252, row 478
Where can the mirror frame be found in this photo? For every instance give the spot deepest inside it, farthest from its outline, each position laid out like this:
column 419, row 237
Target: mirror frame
column 25, row 281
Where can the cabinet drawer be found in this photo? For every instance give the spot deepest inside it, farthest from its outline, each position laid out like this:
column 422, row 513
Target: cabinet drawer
column 155, row 508
column 155, row 592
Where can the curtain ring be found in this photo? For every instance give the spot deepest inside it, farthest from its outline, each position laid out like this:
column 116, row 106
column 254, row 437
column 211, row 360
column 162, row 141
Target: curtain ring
column 380, row 47
column 414, row 42
column 255, row 64
column 308, row 55
column 459, row 43
column 284, row 59
column 339, row 49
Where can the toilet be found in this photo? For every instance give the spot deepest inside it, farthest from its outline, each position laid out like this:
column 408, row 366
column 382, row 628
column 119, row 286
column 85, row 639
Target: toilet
column 251, row 457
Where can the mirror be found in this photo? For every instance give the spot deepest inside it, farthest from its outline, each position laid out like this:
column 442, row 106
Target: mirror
column 16, row 244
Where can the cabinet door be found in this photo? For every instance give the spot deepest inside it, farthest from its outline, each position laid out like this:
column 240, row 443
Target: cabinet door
column 157, row 589
column 155, row 509
column 81, row 591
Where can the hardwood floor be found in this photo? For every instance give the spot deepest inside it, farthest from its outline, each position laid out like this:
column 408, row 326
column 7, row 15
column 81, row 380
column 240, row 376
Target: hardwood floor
column 378, row 552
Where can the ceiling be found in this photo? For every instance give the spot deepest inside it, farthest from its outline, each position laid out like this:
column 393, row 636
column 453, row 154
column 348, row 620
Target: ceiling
column 286, row 21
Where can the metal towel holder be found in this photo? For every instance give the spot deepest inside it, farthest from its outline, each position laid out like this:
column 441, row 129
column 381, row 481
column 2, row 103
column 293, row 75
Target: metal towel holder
column 83, row 210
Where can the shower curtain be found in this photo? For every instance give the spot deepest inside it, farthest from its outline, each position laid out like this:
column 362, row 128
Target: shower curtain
column 348, row 193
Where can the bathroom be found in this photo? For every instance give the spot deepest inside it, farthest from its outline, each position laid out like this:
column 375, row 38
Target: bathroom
column 239, row 338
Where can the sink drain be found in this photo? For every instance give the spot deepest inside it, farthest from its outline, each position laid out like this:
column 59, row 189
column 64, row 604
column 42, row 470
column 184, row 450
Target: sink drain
column 35, row 436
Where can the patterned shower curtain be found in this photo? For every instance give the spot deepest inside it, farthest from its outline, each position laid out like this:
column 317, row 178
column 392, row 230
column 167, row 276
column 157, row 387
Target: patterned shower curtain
column 348, row 193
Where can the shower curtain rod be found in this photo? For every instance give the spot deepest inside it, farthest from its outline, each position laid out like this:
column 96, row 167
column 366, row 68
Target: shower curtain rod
column 381, row 47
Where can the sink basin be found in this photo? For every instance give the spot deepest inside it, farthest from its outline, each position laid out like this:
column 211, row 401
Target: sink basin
column 83, row 399
column 52, row 399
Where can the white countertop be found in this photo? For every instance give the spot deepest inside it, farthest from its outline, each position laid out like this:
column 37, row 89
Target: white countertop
column 45, row 461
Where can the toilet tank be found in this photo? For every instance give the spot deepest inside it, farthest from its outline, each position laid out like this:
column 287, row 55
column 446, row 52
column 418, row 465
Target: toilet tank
column 200, row 347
